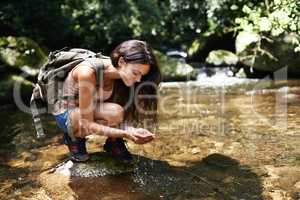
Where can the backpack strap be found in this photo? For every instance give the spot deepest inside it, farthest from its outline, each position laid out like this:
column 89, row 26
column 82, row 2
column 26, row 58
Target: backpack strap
column 37, row 120
column 37, row 108
column 39, row 102
column 98, row 66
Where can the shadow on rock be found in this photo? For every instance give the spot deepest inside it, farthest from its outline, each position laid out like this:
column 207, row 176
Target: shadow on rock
column 214, row 177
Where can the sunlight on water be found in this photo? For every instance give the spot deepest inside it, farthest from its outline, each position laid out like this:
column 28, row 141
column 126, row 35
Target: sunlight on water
column 220, row 77
column 210, row 144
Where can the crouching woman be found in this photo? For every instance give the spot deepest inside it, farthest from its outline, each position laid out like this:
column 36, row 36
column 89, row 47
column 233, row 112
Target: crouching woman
column 131, row 71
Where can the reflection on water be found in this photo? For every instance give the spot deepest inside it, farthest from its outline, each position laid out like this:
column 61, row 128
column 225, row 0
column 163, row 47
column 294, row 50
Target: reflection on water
column 219, row 77
column 233, row 142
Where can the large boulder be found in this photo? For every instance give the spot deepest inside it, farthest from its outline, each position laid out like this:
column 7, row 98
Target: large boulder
column 95, row 179
column 268, row 54
column 204, row 44
column 173, row 69
column 222, row 58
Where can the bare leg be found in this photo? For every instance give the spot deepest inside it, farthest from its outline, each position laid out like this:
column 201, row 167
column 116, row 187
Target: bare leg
column 109, row 114
column 106, row 113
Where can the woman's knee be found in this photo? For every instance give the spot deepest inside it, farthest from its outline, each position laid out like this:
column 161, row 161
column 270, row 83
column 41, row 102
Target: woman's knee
column 116, row 115
column 111, row 112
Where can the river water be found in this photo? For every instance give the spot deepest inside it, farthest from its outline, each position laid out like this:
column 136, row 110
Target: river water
column 230, row 139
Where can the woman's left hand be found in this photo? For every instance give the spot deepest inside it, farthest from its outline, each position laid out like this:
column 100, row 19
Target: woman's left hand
column 142, row 136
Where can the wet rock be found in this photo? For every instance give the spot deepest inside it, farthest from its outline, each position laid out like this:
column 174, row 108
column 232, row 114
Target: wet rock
column 289, row 98
column 31, row 157
column 56, row 186
column 99, row 165
column 297, row 185
column 221, row 58
column 40, row 194
column 174, row 69
column 241, row 73
column 219, row 160
column 100, row 178
column 286, row 178
column 270, row 54
column 244, row 40
column 195, row 150
column 21, row 183
column 279, row 195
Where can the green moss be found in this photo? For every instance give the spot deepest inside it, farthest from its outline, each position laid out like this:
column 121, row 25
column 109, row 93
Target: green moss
column 268, row 54
column 172, row 69
column 100, row 164
column 221, row 57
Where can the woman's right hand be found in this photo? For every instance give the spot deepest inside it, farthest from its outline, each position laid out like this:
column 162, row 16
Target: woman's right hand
column 139, row 135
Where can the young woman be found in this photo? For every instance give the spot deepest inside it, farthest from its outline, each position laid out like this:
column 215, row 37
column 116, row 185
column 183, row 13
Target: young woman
column 131, row 71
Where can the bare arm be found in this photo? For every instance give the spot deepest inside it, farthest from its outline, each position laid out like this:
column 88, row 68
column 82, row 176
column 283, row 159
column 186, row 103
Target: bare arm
column 87, row 125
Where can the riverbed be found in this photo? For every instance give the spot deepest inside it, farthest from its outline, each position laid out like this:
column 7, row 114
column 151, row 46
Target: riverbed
column 236, row 141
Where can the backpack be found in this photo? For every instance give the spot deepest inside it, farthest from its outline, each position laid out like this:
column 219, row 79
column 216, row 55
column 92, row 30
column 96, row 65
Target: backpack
column 49, row 86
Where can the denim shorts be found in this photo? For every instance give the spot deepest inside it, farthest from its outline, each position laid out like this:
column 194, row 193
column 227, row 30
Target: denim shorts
column 63, row 122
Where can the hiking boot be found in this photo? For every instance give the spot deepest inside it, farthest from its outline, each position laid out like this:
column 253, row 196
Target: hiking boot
column 78, row 150
column 118, row 149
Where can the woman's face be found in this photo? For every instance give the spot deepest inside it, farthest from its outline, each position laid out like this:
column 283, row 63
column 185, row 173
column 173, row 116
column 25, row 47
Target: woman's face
column 131, row 73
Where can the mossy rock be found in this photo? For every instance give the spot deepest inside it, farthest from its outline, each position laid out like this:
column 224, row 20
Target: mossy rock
column 21, row 51
column 100, row 178
column 272, row 55
column 244, row 40
column 174, row 70
column 7, row 85
column 100, row 164
column 221, row 58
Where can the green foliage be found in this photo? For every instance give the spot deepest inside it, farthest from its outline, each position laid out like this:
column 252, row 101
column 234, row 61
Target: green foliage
column 183, row 24
column 225, row 15
column 19, row 52
column 102, row 24
column 174, row 69
column 110, row 22
column 272, row 20
column 221, row 14
column 260, row 16
column 37, row 19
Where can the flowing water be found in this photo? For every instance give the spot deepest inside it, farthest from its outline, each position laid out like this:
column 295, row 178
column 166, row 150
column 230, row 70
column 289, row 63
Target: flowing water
column 214, row 141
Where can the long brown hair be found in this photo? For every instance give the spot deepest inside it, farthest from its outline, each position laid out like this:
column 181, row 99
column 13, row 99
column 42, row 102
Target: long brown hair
column 136, row 51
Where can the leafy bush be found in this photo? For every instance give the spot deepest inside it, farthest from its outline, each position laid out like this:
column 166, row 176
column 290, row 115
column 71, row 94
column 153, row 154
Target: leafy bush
column 272, row 20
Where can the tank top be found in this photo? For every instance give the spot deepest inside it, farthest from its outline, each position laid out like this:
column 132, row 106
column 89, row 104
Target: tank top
column 71, row 89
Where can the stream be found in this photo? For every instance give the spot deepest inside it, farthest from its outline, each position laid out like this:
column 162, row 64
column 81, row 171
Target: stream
column 230, row 139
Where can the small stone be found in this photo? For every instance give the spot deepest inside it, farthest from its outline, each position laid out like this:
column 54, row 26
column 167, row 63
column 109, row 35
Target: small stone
column 195, row 150
column 297, row 185
column 31, row 158
column 228, row 179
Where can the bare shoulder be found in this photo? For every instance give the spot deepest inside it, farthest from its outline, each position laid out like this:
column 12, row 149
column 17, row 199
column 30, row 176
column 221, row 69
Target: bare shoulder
column 107, row 63
column 84, row 71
